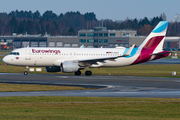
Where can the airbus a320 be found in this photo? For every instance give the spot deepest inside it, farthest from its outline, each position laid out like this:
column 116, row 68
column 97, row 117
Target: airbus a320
column 69, row 60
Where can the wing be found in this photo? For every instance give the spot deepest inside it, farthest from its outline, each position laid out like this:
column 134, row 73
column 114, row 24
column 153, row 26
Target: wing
column 86, row 62
column 89, row 62
column 95, row 60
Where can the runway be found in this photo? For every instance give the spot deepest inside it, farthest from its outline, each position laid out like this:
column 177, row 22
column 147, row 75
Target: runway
column 164, row 61
column 109, row 86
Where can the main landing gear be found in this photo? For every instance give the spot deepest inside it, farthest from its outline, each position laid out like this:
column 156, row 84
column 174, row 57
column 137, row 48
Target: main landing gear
column 87, row 73
column 78, row 73
column 26, row 70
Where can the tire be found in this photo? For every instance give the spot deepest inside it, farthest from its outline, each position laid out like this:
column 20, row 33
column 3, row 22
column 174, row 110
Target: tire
column 78, row 73
column 88, row 73
column 25, row 73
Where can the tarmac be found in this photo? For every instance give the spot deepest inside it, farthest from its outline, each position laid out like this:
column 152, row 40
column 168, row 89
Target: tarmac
column 108, row 86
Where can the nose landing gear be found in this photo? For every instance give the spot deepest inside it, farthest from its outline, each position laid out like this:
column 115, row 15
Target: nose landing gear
column 26, row 70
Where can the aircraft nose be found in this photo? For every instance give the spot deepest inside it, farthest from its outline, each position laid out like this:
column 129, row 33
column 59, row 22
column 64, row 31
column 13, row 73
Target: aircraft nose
column 6, row 59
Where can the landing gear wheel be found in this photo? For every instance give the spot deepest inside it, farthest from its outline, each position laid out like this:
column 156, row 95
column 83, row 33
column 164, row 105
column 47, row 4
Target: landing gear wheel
column 88, row 73
column 78, row 73
column 25, row 73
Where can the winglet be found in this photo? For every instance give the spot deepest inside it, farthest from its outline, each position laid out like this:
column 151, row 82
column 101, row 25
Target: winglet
column 82, row 46
column 129, row 51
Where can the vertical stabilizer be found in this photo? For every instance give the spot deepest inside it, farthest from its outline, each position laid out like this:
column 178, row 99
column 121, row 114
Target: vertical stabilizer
column 152, row 44
column 155, row 40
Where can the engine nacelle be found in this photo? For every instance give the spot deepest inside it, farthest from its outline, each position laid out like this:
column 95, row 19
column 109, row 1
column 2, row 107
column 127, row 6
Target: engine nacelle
column 69, row 67
column 53, row 69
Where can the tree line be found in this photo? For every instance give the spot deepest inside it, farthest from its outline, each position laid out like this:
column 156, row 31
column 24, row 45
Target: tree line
column 22, row 22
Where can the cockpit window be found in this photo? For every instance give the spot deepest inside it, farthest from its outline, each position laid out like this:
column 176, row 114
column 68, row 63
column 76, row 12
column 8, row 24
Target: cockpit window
column 14, row 53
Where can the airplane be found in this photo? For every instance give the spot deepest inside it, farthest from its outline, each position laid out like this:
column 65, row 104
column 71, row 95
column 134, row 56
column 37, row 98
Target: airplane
column 68, row 60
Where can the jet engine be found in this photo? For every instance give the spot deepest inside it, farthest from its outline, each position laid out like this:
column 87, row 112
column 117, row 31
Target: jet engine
column 69, row 67
column 53, row 69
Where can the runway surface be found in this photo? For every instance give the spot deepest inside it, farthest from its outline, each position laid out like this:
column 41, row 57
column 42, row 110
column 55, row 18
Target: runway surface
column 164, row 61
column 109, row 86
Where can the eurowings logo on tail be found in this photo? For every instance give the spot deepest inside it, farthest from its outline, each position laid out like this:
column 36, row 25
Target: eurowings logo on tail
column 153, row 44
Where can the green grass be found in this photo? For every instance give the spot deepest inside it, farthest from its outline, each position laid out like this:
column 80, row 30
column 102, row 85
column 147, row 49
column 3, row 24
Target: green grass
column 88, row 108
column 135, row 70
column 140, row 70
column 5, row 87
column 4, row 52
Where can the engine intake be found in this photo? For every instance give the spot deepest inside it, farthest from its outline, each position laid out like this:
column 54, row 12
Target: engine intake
column 69, row 67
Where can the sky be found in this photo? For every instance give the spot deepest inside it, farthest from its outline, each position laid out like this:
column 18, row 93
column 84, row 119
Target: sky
column 104, row 9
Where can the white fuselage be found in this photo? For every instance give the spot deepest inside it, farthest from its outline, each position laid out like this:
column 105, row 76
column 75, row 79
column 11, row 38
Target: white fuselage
column 44, row 57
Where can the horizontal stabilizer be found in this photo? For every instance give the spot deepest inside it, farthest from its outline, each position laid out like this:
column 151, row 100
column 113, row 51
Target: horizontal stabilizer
column 162, row 53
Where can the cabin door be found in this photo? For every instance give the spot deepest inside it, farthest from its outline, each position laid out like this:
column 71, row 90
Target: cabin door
column 28, row 54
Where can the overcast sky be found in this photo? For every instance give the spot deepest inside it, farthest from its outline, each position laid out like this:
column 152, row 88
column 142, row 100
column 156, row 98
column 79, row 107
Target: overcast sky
column 104, row 9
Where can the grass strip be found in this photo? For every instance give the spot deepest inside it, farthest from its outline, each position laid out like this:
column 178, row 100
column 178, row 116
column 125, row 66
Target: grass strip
column 88, row 108
column 134, row 70
column 6, row 87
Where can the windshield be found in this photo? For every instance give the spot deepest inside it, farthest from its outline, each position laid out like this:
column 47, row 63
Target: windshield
column 14, row 53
